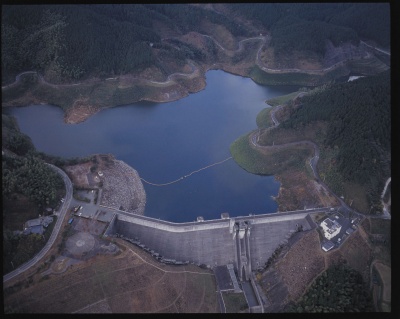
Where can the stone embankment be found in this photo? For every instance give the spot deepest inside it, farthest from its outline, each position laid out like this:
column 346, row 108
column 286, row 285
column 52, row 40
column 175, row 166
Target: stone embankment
column 122, row 188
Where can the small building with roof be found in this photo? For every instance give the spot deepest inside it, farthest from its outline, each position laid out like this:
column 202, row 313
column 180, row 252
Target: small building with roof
column 33, row 223
column 38, row 229
column 225, row 216
column 331, row 228
column 328, row 245
column 36, row 225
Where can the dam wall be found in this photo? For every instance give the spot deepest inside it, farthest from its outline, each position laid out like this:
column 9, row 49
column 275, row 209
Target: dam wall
column 214, row 242
column 191, row 243
column 267, row 233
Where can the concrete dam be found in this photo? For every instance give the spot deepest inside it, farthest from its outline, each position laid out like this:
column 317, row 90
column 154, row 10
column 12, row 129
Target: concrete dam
column 246, row 242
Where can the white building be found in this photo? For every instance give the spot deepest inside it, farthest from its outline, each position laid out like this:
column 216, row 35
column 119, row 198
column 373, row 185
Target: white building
column 331, row 228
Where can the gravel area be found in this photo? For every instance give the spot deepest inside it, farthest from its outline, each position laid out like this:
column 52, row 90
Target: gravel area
column 122, row 187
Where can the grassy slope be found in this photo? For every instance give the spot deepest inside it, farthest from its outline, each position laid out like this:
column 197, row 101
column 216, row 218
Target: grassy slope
column 282, row 99
column 289, row 165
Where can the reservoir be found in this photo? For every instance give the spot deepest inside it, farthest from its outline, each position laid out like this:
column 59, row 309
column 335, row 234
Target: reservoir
column 165, row 141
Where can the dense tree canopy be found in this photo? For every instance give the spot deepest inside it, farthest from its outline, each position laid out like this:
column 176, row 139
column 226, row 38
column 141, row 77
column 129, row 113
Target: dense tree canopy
column 74, row 41
column 305, row 26
column 24, row 172
column 13, row 139
column 291, row 34
column 359, row 125
column 30, row 176
column 369, row 20
column 338, row 289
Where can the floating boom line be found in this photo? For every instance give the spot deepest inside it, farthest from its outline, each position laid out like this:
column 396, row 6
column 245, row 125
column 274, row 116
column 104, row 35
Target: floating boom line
column 183, row 177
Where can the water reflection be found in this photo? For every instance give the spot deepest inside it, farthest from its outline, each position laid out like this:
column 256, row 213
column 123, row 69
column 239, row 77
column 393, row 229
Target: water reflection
column 166, row 141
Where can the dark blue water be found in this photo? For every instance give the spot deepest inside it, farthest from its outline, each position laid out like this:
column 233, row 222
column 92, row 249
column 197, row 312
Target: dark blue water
column 164, row 141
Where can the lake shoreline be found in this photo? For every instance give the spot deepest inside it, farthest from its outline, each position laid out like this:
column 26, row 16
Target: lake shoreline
column 83, row 104
column 191, row 134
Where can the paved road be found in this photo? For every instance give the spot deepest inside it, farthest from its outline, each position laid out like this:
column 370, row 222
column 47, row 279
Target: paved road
column 56, row 230
column 254, row 137
column 264, row 40
column 375, row 48
column 41, row 79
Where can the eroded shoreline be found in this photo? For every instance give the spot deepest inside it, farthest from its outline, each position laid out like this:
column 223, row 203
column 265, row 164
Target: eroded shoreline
column 91, row 96
column 119, row 185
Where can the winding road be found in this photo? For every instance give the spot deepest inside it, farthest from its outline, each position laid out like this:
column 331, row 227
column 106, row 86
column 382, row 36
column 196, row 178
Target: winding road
column 56, row 229
column 375, row 48
column 254, row 138
column 264, row 40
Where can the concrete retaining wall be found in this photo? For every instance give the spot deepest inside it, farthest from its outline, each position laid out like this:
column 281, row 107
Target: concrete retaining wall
column 205, row 246
column 267, row 234
column 210, row 242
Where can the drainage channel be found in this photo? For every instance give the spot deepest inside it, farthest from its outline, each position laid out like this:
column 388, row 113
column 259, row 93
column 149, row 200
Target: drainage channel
column 249, row 294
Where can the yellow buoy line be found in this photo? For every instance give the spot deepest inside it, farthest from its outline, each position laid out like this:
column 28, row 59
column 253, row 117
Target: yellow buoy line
column 183, row 177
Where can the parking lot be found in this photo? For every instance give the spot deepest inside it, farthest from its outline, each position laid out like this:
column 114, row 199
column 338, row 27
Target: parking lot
column 89, row 216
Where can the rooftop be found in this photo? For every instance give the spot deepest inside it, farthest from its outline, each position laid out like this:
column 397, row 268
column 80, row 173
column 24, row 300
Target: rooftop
column 34, row 230
column 225, row 215
column 327, row 245
column 331, row 224
column 33, row 222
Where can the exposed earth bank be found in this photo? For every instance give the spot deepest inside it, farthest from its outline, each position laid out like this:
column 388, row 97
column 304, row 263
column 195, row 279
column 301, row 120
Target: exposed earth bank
column 119, row 184
column 174, row 79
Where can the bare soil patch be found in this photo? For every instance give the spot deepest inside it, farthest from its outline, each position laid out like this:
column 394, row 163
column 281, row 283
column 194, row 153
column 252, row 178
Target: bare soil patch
column 123, row 283
column 78, row 174
column 303, row 262
column 81, row 110
column 91, row 226
column 298, row 191
column 221, row 34
column 120, row 183
column 287, row 279
column 358, row 254
column 296, row 60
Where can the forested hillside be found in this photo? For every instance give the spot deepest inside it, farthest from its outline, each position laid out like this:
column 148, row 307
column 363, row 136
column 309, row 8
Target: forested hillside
column 74, row 41
column 305, row 26
column 338, row 289
column 24, row 172
column 71, row 42
column 29, row 186
column 359, row 127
